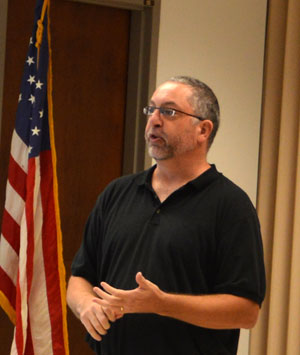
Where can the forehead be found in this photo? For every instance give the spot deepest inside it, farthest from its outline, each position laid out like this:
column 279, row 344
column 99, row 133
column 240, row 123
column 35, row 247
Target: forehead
column 172, row 93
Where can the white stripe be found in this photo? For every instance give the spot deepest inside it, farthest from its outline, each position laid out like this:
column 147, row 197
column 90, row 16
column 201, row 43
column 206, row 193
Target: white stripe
column 14, row 204
column 13, row 350
column 19, row 151
column 38, row 302
column 23, row 276
column 9, row 259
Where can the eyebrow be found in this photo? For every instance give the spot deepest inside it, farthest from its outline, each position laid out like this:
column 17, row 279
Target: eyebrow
column 167, row 103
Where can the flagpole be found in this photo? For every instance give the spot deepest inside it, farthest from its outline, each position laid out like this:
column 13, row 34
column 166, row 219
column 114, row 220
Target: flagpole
column 40, row 28
column 61, row 267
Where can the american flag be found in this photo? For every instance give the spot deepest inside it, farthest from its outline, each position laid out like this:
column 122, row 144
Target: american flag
column 32, row 274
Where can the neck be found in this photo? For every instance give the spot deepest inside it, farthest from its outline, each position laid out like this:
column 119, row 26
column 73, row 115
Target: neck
column 171, row 175
column 178, row 171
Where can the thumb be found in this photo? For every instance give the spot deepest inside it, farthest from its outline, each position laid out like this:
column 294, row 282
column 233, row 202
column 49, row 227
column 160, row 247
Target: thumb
column 141, row 281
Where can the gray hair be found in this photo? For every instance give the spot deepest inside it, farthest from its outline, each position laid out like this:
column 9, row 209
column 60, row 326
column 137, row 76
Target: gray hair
column 203, row 101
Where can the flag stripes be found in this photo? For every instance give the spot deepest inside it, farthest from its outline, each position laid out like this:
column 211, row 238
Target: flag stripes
column 14, row 204
column 10, row 228
column 19, row 151
column 32, row 285
column 17, row 178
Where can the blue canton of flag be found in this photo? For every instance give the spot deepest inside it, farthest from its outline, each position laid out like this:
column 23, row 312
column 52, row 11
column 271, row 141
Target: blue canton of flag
column 32, row 114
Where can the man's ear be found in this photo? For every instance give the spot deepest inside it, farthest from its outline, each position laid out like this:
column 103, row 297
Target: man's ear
column 206, row 128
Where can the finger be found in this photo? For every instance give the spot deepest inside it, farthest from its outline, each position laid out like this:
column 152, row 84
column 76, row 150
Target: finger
column 111, row 299
column 111, row 290
column 93, row 326
column 103, row 320
column 139, row 278
column 91, row 330
column 95, row 319
column 99, row 328
column 117, row 311
column 102, row 294
column 110, row 314
column 119, row 315
column 100, row 323
column 101, row 302
column 142, row 281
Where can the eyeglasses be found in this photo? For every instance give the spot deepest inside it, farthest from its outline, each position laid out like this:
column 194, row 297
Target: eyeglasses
column 166, row 112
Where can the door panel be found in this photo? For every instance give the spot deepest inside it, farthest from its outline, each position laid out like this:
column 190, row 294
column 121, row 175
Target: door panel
column 90, row 51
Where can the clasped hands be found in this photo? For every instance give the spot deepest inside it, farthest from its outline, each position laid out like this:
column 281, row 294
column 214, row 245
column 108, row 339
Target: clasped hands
column 114, row 303
column 143, row 299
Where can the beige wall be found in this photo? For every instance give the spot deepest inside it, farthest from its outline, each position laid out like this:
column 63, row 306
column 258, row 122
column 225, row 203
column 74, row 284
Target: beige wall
column 221, row 43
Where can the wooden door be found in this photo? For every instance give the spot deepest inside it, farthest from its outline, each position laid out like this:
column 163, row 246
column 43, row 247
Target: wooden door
column 90, row 59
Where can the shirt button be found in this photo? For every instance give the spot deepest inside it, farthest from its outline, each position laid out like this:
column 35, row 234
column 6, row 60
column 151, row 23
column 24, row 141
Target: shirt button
column 158, row 211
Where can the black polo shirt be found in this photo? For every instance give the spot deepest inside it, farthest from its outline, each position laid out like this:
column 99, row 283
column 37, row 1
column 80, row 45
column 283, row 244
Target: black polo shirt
column 203, row 239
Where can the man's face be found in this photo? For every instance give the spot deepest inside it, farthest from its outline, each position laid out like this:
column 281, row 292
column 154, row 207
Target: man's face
column 168, row 137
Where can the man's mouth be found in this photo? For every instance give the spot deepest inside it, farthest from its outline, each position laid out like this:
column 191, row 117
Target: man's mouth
column 153, row 138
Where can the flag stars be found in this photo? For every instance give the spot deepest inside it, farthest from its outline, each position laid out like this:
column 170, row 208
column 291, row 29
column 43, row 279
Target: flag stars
column 31, row 79
column 32, row 99
column 30, row 149
column 30, row 41
column 35, row 131
column 20, row 97
column 30, row 60
column 39, row 84
column 41, row 113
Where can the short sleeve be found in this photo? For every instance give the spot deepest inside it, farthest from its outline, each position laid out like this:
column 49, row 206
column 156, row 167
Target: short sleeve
column 239, row 264
column 85, row 261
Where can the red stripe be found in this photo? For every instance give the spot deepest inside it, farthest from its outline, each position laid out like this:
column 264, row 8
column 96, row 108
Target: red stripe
column 8, row 288
column 19, row 326
column 29, row 345
column 17, row 177
column 11, row 231
column 50, row 253
column 30, row 222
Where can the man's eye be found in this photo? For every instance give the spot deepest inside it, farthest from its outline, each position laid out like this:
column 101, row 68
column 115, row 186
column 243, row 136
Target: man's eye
column 167, row 112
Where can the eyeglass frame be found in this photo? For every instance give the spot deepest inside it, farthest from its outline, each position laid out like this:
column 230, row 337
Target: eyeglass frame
column 163, row 109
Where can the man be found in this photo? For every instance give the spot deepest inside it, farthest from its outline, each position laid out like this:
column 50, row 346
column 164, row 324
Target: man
column 171, row 261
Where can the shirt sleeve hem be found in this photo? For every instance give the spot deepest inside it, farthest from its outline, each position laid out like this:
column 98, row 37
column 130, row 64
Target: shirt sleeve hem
column 242, row 293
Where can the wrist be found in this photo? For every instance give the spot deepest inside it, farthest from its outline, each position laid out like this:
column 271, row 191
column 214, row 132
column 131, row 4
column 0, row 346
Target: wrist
column 163, row 308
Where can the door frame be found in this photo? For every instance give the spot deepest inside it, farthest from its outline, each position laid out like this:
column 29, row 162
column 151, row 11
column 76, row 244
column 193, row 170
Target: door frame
column 141, row 82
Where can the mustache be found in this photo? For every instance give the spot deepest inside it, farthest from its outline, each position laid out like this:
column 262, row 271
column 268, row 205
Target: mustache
column 152, row 133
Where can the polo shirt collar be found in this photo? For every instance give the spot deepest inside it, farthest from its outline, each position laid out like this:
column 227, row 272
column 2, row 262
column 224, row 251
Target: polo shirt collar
column 146, row 176
column 199, row 183
column 206, row 178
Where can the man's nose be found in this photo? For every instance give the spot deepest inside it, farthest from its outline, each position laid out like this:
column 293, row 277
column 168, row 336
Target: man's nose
column 155, row 118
